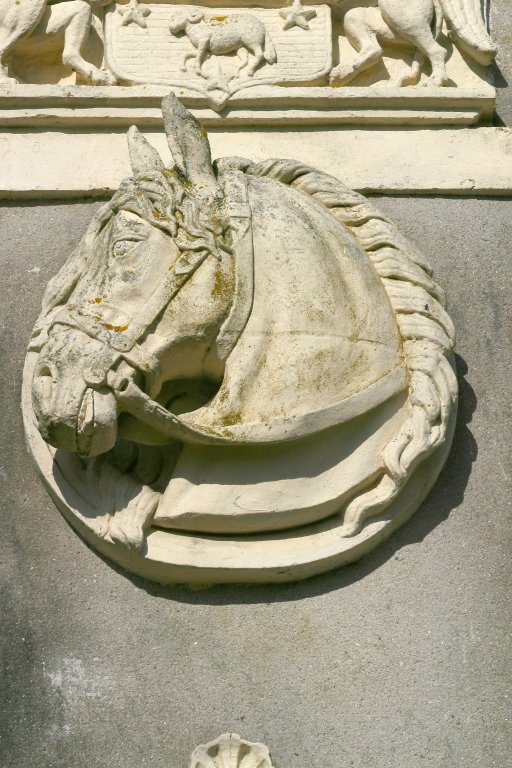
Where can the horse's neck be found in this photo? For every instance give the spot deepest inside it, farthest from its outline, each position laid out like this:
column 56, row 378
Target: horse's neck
column 312, row 338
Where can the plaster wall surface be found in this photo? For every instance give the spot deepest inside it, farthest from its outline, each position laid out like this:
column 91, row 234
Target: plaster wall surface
column 400, row 660
column 501, row 29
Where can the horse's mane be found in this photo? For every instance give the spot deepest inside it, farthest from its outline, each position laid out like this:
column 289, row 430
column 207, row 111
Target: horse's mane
column 425, row 328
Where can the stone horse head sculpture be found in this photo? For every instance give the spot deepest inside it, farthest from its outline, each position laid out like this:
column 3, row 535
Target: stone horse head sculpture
column 261, row 327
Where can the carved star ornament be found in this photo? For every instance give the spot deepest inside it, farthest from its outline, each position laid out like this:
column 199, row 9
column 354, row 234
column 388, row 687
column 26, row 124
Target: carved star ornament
column 297, row 15
column 135, row 14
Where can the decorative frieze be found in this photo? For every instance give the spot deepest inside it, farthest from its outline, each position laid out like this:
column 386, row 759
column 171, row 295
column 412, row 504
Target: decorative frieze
column 292, row 59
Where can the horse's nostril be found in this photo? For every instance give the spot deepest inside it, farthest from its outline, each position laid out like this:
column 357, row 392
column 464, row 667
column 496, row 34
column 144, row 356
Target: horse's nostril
column 43, row 385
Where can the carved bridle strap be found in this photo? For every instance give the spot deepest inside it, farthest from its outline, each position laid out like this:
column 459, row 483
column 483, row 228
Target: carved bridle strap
column 184, row 268
column 135, row 402
column 95, row 375
column 124, row 344
column 240, row 217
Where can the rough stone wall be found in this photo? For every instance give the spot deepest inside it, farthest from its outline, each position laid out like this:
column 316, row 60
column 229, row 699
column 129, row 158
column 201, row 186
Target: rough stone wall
column 400, row 660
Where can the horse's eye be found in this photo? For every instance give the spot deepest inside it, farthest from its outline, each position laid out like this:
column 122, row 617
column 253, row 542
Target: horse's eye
column 121, row 247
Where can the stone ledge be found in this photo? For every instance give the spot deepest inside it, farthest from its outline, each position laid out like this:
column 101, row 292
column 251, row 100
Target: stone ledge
column 113, row 107
column 73, row 164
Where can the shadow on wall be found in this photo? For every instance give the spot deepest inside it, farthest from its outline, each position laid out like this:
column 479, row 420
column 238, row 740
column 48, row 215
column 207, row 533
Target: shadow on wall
column 500, row 82
column 447, row 494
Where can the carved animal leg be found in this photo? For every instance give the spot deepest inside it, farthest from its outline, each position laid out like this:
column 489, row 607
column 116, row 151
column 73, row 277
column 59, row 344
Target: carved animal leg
column 362, row 26
column 437, row 56
column 188, row 55
column 243, row 59
column 4, row 67
column 74, row 19
column 7, row 42
column 412, row 77
column 202, row 50
column 128, row 526
column 413, row 23
column 257, row 51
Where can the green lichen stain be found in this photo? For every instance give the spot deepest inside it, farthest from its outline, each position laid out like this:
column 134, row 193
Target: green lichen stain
column 174, row 173
column 222, row 288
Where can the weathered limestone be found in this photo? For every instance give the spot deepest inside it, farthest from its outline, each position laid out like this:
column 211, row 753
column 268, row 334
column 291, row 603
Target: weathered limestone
column 309, row 46
column 194, row 335
column 398, row 660
column 58, row 164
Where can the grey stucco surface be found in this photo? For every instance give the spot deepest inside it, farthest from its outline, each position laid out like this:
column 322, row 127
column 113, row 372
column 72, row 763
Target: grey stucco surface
column 501, row 31
column 400, row 660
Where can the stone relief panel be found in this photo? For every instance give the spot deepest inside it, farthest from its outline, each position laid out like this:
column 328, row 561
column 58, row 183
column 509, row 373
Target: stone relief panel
column 217, row 51
column 427, row 29
column 243, row 373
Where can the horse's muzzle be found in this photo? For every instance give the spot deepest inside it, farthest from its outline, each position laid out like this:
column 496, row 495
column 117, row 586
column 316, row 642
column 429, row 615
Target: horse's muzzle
column 71, row 415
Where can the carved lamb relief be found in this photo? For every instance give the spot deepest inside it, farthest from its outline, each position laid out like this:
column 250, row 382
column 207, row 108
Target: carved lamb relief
column 243, row 373
column 219, row 51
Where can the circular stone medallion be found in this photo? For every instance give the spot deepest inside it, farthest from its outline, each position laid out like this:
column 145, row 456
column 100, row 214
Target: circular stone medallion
column 244, row 373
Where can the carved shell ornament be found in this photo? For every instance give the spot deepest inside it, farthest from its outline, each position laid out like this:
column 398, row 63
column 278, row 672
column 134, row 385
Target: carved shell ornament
column 231, row 751
column 244, row 372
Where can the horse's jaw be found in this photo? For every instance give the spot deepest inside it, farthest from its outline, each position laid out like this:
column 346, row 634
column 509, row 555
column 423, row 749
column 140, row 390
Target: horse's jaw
column 70, row 415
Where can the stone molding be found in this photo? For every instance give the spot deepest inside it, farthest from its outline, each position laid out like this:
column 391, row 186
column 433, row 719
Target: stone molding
column 89, row 107
column 64, row 163
column 64, row 98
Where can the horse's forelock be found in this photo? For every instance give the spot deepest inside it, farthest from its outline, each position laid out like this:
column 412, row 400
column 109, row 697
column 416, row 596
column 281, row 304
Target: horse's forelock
column 168, row 202
column 152, row 196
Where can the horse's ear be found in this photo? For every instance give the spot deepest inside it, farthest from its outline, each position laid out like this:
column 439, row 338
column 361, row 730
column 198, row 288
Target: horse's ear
column 143, row 157
column 189, row 145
